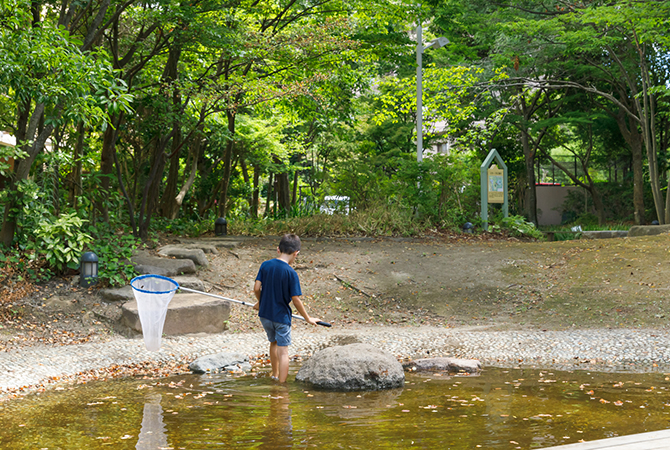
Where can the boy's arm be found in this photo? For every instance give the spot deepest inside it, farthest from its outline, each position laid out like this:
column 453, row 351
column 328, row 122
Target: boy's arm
column 303, row 312
column 257, row 292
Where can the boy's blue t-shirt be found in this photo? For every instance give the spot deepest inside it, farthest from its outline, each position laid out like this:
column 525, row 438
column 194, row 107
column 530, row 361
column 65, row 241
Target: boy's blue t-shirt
column 279, row 283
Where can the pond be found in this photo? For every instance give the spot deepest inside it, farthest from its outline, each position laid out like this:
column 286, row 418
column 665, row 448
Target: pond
column 500, row 409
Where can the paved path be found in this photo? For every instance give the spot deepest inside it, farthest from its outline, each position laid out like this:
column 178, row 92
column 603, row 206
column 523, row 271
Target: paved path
column 602, row 350
column 655, row 440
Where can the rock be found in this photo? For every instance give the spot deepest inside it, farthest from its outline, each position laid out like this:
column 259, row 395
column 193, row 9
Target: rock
column 217, row 242
column 443, row 365
column 351, row 368
column 187, row 313
column 58, row 304
column 647, row 230
column 180, row 252
column 147, row 264
column 197, row 245
column 124, row 294
column 231, row 362
column 88, row 318
column 605, row 234
column 190, row 282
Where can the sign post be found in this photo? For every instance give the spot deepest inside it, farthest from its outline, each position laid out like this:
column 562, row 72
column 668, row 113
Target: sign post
column 493, row 185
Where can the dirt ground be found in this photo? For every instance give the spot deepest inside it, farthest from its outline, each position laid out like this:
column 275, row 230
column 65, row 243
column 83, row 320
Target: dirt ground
column 441, row 281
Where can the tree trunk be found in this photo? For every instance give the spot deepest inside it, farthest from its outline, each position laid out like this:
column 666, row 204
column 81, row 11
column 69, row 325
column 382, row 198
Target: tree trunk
column 294, row 195
column 75, row 186
column 152, row 188
column 529, row 157
column 33, row 145
column 106, row 167
column 633, row 138
column 179, row 200
column 168, row 207
column 256, row 192
column 270, row 195
column 227, row 164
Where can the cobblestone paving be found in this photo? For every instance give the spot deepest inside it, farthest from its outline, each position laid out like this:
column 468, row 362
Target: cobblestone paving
column 601, row 350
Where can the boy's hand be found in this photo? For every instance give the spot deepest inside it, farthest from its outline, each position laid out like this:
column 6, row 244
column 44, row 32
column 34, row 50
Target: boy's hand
column 257, row 305
column 313, row 320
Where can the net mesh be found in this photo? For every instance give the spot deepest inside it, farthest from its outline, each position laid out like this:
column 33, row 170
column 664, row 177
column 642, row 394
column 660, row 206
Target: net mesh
column 153, row 294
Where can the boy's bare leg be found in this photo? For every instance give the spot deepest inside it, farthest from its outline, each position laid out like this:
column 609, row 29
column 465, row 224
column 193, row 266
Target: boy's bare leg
column 274, row 359
column 282, row 359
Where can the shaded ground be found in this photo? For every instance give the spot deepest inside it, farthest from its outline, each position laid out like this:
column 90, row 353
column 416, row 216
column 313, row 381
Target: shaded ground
column 497, row 284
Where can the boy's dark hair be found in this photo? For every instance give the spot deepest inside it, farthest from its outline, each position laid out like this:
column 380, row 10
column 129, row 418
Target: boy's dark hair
column 289, row 243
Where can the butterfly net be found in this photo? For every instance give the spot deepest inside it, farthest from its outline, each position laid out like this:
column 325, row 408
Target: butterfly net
column 153, row 294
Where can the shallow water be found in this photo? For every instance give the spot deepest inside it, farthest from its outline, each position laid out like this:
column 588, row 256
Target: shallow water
column 501, row 409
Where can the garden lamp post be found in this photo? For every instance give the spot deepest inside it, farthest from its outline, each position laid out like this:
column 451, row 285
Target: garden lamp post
column 89, row 269
column 435, row 43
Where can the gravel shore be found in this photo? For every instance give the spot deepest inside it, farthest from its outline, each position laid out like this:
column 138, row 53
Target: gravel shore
column 604, row 350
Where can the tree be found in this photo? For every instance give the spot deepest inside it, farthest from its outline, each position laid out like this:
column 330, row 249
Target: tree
column 48, row 80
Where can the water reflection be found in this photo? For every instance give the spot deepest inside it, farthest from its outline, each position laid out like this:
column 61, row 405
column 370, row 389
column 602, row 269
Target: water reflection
column 278, row 430
column 357, row 404
column 152, row 435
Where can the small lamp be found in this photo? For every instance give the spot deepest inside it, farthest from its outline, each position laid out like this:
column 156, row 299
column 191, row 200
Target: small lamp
column 89, row 269
column 220, row 227
column 468, row 227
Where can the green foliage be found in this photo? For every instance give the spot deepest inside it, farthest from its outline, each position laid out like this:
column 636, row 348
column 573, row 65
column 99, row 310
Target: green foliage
column 114, row 250
column 376, row 220
column 61, row 241
column 518, row 226
column 442, row 190
column 192, row 226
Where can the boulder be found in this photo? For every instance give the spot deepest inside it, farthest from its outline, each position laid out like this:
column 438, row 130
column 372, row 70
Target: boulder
column 190, row 282
column 216, row 242
column 180, row 252
column 648, row 230
column 124, row 294
column 220, row 362
column 443, row 365
column 353, row 367
column 187, row 313
column 207, row 248
column 147, row 264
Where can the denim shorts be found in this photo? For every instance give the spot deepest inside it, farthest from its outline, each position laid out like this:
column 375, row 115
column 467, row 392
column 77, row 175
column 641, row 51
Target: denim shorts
column 276, row 331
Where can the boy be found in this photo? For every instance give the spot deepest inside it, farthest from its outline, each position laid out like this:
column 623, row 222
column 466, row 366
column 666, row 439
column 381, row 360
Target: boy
column 277, row 284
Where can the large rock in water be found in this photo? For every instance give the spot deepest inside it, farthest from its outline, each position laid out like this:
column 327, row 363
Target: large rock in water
column 354, row 367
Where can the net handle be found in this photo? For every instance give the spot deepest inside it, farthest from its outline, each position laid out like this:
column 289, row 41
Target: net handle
column 321, row 322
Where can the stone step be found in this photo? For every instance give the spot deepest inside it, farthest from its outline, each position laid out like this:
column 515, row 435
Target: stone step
column 196, row 245
column 187, row 313
column 147, row 264
column 196, row 255
column 217, row 242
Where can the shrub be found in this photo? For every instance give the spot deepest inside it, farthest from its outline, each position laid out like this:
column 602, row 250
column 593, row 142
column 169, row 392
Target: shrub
column 61, row 241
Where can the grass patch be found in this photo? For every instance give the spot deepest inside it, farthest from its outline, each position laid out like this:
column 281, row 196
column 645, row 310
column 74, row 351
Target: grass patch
column 370, row 222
